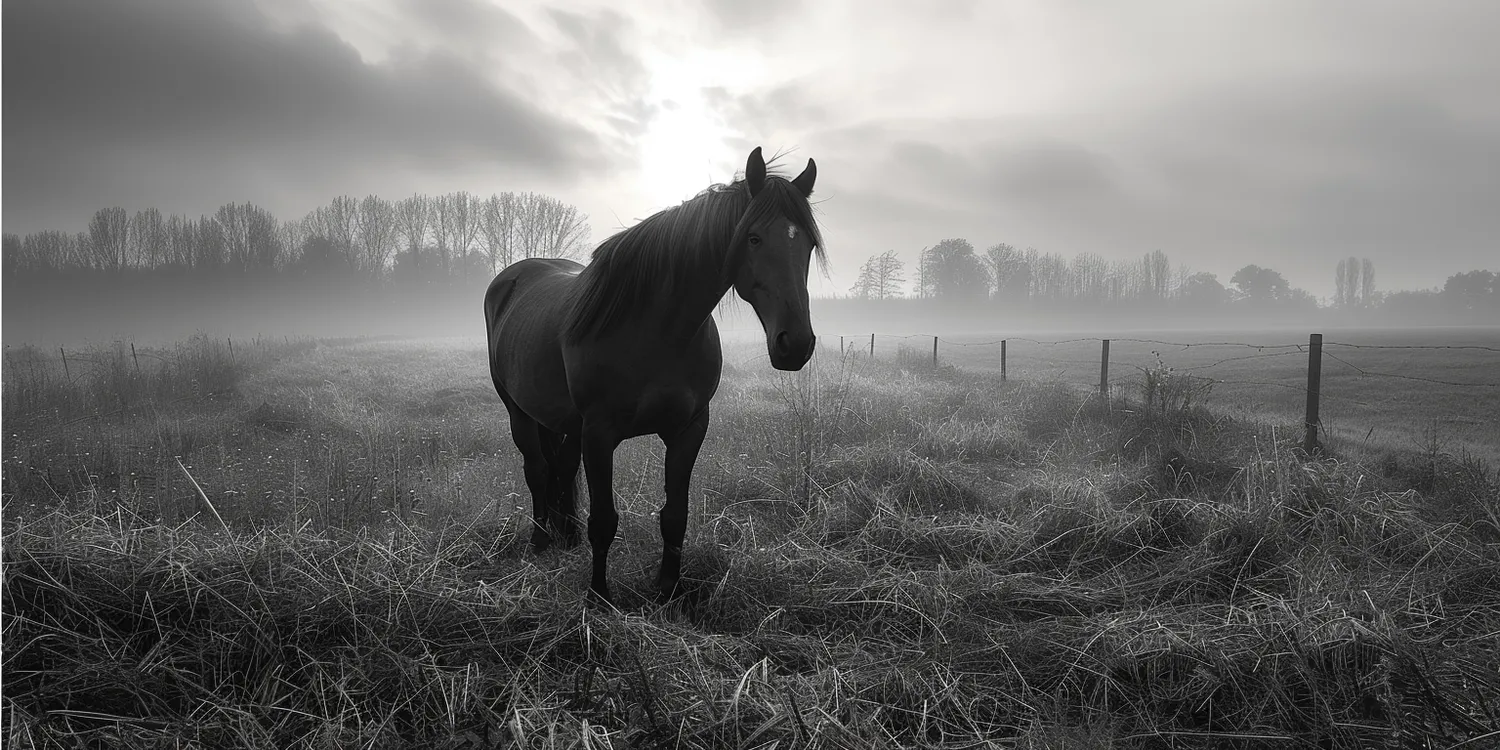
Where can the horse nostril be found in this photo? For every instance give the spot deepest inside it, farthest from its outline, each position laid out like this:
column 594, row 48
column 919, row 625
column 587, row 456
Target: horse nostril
column 782, row 349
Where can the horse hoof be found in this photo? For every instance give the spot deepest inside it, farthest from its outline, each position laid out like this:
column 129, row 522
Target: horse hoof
column 540, row 542
column 600, row 595
column 666, row 591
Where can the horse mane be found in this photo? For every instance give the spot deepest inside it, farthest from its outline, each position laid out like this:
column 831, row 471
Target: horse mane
column 678, row 248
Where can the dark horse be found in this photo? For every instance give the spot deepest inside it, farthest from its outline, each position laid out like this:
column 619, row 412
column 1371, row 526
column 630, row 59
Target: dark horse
column 587, row 357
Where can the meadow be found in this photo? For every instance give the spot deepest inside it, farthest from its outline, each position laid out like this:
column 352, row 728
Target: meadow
column 304, row 543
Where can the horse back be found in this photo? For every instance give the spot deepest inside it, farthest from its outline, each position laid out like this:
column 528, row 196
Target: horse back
column 524, row 310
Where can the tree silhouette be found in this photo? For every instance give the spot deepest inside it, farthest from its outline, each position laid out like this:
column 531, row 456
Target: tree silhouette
column 1260, row 285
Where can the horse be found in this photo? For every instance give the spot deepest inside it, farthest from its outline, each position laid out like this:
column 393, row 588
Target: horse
column 586, row 357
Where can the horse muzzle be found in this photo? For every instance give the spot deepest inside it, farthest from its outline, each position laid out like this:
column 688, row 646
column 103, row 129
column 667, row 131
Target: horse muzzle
column 790, row 351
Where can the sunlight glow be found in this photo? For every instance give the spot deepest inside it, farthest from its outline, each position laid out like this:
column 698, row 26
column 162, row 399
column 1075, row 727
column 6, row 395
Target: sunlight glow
column 683, row 149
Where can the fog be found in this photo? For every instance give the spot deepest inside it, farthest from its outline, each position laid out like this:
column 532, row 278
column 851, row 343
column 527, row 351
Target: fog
column 75, row 310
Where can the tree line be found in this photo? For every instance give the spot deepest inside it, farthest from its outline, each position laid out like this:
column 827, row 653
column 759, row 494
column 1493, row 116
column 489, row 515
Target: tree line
column 453, row 236
column 953, row 272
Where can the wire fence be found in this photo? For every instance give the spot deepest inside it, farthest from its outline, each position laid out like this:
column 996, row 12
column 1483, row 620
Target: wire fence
column 1396, row 385
column 1461, row 378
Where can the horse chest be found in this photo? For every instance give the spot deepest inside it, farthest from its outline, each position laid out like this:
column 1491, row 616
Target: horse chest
column 643, row 401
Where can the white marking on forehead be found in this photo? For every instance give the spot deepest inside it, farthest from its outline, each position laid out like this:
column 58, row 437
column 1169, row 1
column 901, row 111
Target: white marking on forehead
column 791, row 231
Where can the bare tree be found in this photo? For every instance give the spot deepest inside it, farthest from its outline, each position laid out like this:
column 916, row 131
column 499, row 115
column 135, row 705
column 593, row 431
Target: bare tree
column 463, row 214
column 264, row 249
column 293, row 234
column 182, row 241
column 864, row 286
column 233, row 221
column 1347, row 286
column 1089, row 277
column 45, row 250
column 548, row 228
column 889, row 275
column 442, row 231
column 109, row 232
column 1006, row 266
column 412, row 218
column 376, row 229
column 1367, row 282
column 150, row 237
column 499, row 227
column 339, row 225
column 565, row 230
column 1155, row 275
column 209, row 250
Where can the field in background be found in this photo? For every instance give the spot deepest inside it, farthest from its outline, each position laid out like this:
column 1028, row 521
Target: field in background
column 301, row 543
column 1376, row 392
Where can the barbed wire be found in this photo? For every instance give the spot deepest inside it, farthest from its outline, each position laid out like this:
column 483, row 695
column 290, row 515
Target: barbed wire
column 1237, row 359
column 1364, row 373
column 1433, row 346
column 1161, row 342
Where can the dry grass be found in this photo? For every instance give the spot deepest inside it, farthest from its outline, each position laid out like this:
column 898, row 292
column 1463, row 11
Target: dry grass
column 881, row 556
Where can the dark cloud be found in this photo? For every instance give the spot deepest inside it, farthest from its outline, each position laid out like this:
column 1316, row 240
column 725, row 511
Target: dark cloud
column 147, row 102
column 1292, row 176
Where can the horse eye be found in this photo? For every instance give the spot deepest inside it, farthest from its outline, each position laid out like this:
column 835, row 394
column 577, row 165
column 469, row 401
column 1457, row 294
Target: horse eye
column 755, row 239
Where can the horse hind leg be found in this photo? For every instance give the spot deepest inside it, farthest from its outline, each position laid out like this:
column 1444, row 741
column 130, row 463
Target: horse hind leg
column 565, row 453
column 527, row 435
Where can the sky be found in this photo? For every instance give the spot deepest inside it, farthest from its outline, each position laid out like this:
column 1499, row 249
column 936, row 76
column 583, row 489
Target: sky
column 1283, row 133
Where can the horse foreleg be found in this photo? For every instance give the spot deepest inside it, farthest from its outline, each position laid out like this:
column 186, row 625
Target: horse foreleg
column 682, row 454
column 598, row 464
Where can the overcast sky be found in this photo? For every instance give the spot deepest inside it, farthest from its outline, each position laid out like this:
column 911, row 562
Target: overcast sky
column 1287, row 134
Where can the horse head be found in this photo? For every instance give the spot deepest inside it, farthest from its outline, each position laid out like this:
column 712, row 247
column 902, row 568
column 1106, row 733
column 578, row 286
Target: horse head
column 771, row 252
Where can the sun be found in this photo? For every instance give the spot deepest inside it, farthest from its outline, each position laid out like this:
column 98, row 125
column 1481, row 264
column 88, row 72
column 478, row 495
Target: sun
column 683, row 149
column 678, row 152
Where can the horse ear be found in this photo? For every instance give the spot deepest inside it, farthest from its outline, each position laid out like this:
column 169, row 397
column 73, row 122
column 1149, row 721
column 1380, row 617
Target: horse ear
column 755, row 172
column 804, row 181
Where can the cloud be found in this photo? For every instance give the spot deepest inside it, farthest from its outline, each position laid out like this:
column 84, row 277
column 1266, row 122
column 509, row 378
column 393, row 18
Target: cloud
column 1284, row 133
column 145, row 102
column 1294, row 175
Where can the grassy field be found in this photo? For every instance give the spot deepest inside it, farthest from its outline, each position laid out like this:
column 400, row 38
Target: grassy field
column 1377, row 391
column 321, row 544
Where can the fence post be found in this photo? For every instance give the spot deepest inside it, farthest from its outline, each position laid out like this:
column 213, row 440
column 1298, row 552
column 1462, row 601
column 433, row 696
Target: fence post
column 841, row 346
column 1314, row 382
column 1104, row 371
column 1002, row 360
column 137, row 359
column 872, row 346
column 64, row 354
column 934, row 352
column 231, row 349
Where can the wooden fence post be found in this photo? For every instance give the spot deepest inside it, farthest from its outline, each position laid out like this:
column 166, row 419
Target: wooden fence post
column 1104, row 371
column 231, row 349
column 1314, row 383
column 872, row 346
column 1002, row 360
column 66, row 373
column 934, row 352
column 137, row 359
column 841, row 346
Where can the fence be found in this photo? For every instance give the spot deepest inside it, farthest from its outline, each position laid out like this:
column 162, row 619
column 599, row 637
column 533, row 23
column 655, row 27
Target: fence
column 1462, row 358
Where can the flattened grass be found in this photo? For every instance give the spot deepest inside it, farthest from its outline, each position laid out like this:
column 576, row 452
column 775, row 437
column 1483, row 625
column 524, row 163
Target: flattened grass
column 878, row 557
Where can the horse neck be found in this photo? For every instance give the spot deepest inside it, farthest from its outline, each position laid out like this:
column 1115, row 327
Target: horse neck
column 680, row 312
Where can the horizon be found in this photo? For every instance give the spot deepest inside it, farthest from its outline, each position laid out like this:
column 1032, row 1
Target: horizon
column 1277, row 134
